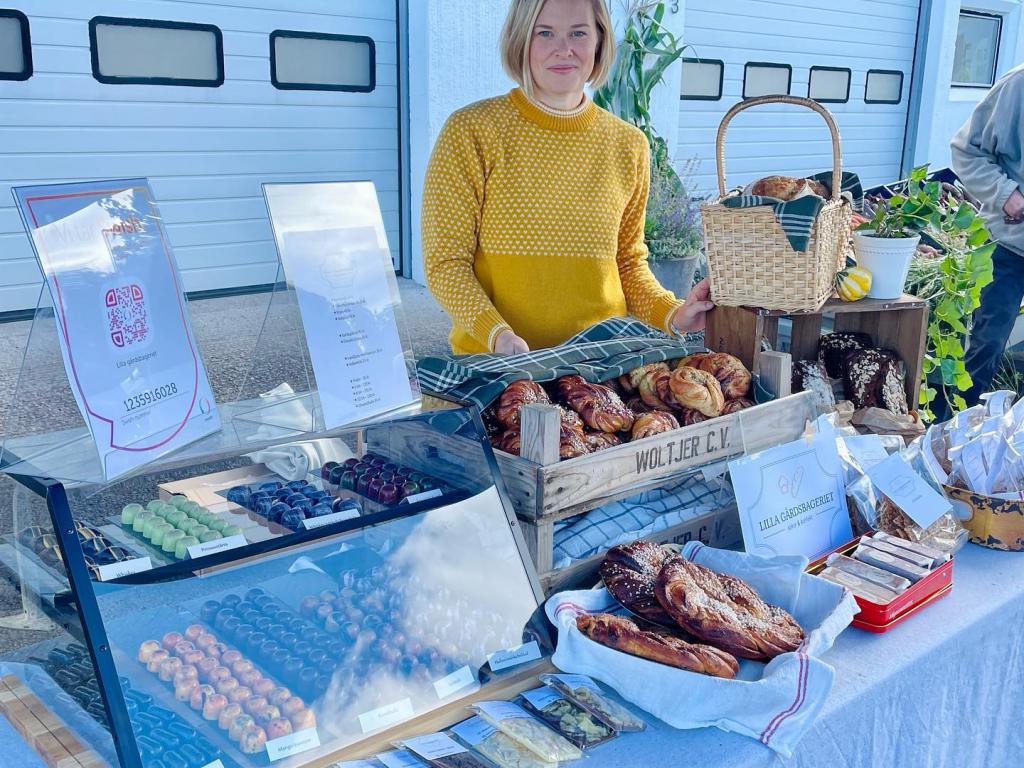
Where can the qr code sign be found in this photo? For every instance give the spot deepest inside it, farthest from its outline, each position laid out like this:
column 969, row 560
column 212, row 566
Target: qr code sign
column 126, row 311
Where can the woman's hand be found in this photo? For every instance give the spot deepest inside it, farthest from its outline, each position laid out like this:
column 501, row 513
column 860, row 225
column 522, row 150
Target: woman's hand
column 508, row 343
column 693, row 314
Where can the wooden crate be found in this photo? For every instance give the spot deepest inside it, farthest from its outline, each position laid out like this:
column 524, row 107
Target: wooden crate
column 898, row 324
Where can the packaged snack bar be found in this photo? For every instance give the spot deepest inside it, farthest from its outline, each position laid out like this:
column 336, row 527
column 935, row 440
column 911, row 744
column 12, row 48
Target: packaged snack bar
column 585, row 692
column 484, row 739
column 522, row 727
column 568, row 718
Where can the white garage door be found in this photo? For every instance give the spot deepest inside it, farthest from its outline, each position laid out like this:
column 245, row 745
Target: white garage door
column 760, row 45
column 206, row 149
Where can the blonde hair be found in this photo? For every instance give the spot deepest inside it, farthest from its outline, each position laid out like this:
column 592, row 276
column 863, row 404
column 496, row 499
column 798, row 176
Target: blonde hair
column 517, row 33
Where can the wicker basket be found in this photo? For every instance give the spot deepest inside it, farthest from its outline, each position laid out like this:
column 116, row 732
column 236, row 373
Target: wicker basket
column 750, row 261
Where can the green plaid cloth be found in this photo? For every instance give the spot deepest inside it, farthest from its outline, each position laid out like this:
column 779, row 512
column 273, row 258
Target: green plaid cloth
column 796, row 217
column 603, row 351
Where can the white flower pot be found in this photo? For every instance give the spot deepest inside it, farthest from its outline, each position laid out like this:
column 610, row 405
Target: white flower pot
column 888, row 259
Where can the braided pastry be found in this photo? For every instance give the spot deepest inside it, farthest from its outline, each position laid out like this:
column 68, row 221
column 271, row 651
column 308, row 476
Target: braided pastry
column 629, row 572
column 598, row 441
column 638, row 373
column 655, row 423
column 599, row 406
column 508, row 441
column 697, row 389
column 655, row 391
column 689, row 417
column 515, row 396
column 725, row 611
column 571, row 443
column 734, row 406
column 732, row 375
column 692, row 361
column 623, row 634
column 570, row 419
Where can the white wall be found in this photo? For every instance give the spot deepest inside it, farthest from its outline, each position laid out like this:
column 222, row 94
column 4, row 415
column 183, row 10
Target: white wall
column 945, row 108
column 454, row 61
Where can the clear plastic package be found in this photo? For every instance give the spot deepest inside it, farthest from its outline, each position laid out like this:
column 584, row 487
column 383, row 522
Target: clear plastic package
column 442, row 751
column 486, row 740
column 568, row 718
column 399, row 758
column 585, row 692
column 524, row 728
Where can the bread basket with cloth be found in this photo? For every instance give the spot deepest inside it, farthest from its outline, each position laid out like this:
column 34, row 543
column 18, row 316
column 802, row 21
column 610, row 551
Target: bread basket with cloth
column 777, row 253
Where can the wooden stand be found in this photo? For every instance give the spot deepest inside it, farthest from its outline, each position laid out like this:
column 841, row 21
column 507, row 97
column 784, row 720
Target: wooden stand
column 898, row 324
column 43, row 730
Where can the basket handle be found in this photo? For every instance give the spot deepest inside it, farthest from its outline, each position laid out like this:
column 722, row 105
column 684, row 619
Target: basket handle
column 837, row 160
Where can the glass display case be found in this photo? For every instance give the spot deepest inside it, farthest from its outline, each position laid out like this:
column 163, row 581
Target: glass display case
column 268, row 608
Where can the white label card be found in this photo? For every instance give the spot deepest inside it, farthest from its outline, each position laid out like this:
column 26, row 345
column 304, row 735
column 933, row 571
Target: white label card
column 908, row 491
column 541, row 697
column 399, row 759
column 357, row 764
column 868, row 450
column 501, row 710
column 125, row 568
column 455, row 682
column 434, row 746
column 513, row 657
column 214, row 764
column 474, row 730
column 578, row 681
column 337, row 517
column 792, row 499
column 388, row 715
column 293, row 744
column 218, row 545
column 431, row 494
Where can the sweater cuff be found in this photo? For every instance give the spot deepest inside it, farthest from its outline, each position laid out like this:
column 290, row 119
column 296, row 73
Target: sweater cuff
column 666, row 308
column 487, row 326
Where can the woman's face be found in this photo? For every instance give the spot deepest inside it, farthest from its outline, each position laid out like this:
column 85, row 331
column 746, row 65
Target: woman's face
column 562, row 50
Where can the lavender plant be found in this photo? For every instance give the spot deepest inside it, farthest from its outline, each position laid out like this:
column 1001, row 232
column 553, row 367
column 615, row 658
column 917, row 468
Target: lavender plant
column 673, row 227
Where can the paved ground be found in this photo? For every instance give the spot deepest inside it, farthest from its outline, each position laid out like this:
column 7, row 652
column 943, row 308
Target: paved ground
column 228, row 332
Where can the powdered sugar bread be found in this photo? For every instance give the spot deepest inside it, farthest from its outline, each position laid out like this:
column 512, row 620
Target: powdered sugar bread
column 725, row 611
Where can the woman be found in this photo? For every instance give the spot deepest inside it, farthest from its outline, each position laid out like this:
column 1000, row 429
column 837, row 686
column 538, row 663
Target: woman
column 534, row 202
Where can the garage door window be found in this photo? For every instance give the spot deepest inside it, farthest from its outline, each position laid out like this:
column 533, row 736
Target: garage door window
column 883, row 86
column 319, row 62
column 977, row 49
column 15, row 46
column 766, row 79
column 829, row 85
column 702, row 79
column 153, row 52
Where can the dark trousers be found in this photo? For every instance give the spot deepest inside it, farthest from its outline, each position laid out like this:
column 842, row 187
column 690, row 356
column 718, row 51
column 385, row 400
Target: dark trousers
column 993, row 321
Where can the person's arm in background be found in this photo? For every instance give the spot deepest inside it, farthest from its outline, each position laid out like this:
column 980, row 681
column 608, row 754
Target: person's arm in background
column 646, row 299
column 453, row 198
column 976, row 147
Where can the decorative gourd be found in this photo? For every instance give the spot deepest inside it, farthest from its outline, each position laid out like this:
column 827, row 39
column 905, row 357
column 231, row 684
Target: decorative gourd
column 853, row 283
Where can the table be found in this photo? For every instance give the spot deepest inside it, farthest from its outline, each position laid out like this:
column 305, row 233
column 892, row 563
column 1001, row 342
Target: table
column 945, row 689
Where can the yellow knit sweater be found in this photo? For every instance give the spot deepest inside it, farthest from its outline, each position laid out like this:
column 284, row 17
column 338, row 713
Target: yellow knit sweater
column 535, row 222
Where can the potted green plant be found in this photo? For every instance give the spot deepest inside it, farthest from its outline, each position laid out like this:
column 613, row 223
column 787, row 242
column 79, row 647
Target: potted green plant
column 673, row 231
column 886, row 244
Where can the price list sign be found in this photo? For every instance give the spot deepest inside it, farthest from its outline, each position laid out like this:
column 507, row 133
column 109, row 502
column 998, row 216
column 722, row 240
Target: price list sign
column 122, row 322
column 335, row 254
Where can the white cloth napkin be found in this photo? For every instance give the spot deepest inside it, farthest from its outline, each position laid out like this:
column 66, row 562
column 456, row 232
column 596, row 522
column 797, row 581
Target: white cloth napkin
column 294, row 461
column 774, row 703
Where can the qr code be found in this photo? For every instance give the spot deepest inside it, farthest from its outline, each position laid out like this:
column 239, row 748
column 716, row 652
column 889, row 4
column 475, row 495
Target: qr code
column 126, row 311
